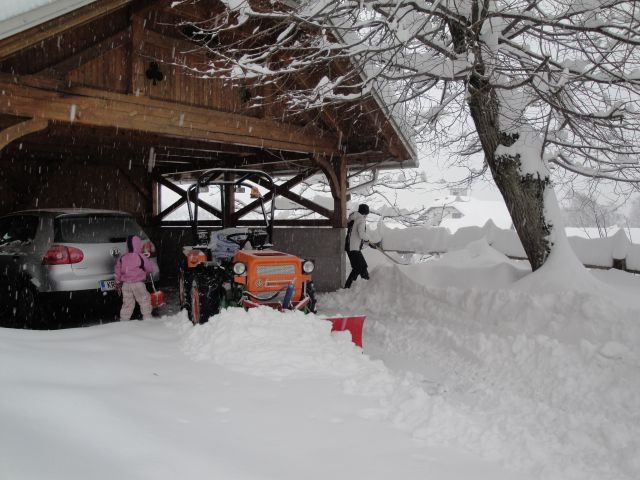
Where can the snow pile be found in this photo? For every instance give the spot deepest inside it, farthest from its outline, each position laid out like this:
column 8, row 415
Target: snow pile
column 477, row 266
column 268, row 343
column 123, row 401
column 546, row 382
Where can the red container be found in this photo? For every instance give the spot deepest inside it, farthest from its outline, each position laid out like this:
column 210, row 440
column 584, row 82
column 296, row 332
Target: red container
column 352, row 324
column 157, row 298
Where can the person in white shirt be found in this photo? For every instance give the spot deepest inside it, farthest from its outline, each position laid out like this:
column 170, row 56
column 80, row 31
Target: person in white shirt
column 356, row 238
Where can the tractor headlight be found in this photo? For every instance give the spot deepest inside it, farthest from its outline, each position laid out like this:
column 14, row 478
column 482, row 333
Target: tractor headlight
column 239, row 268
column 308, row 266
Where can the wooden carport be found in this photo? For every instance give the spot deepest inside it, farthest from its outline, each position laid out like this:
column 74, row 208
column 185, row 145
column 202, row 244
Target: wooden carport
column 100, row 104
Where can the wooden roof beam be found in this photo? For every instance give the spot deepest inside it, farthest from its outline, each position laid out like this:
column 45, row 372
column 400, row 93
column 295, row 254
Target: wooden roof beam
column 183, row 193
column 35, row 97
column 249, row 223
column 306, row 203
column 292, row 182
column 21, row 129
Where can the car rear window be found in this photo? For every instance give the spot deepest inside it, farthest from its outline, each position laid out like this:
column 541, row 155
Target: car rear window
column 96, row 229
column 18, row 229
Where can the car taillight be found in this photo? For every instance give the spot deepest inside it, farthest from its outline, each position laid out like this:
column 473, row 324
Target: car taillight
column 149, row 249
column 61, row 255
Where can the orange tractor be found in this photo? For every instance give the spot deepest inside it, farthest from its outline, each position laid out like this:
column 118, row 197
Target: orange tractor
column 237, row 266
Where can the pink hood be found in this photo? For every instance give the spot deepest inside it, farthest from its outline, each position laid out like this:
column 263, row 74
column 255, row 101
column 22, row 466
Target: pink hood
column 133, row 266
column 134, row 244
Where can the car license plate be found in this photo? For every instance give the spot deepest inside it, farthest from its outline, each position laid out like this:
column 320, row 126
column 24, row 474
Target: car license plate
column 106, row 285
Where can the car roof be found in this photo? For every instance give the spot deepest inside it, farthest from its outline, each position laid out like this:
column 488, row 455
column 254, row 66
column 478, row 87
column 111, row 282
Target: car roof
column 69, row 211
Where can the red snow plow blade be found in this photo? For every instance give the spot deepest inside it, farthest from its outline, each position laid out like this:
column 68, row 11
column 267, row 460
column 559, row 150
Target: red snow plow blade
column 352, row 324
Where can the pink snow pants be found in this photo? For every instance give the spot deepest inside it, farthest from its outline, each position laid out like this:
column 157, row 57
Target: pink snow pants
column 131, row 293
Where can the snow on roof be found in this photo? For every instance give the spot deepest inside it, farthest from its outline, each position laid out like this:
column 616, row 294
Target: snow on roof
column 17, row 16
column 11, row 9
column 475, row 213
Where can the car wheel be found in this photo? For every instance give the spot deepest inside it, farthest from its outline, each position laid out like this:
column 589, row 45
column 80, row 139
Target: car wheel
column 7, row 305
column 27, row 308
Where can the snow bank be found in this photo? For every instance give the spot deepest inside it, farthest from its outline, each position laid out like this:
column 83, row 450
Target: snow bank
column 268, row 343
column 476, row 266
column 547, row 383
column 598, row 252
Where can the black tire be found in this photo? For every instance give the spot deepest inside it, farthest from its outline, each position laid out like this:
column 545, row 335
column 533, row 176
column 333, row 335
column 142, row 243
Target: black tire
column 311, row 292
column 7, row 305
column 28, row 310
column 204, row 294
column 184, row 285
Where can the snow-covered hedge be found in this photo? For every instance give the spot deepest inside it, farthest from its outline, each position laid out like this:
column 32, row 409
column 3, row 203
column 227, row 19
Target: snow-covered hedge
column 596, row 252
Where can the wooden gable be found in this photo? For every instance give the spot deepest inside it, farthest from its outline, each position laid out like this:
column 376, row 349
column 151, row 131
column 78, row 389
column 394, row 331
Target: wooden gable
column 117, row 83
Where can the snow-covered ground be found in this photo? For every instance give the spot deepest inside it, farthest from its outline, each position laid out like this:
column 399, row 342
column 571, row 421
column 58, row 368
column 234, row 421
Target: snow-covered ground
column 469, row 370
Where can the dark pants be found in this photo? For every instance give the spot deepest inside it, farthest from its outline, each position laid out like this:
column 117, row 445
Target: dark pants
column 358, row 267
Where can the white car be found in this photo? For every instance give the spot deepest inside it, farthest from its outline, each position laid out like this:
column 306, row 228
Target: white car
column 53, row 258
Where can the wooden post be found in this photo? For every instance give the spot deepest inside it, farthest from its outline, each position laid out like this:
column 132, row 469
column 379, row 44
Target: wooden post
column 229, row 201
column 156, row 197
column 340, row 203
column 336, row 173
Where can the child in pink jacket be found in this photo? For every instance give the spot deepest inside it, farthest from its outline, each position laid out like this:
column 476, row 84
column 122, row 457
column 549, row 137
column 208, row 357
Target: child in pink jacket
column 131, row 271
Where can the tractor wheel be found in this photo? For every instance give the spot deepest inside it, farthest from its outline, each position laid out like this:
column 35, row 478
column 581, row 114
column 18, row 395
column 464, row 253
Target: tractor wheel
column 197, row 303
column 183, row 293
column 204, row 299
column 311, row 291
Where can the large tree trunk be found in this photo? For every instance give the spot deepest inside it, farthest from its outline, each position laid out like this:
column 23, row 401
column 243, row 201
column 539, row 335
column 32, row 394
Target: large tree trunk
column 523, row 194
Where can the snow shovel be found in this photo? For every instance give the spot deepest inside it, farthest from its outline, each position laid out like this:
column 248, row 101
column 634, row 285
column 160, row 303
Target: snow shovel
column 157, row 296
column 378, row 246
